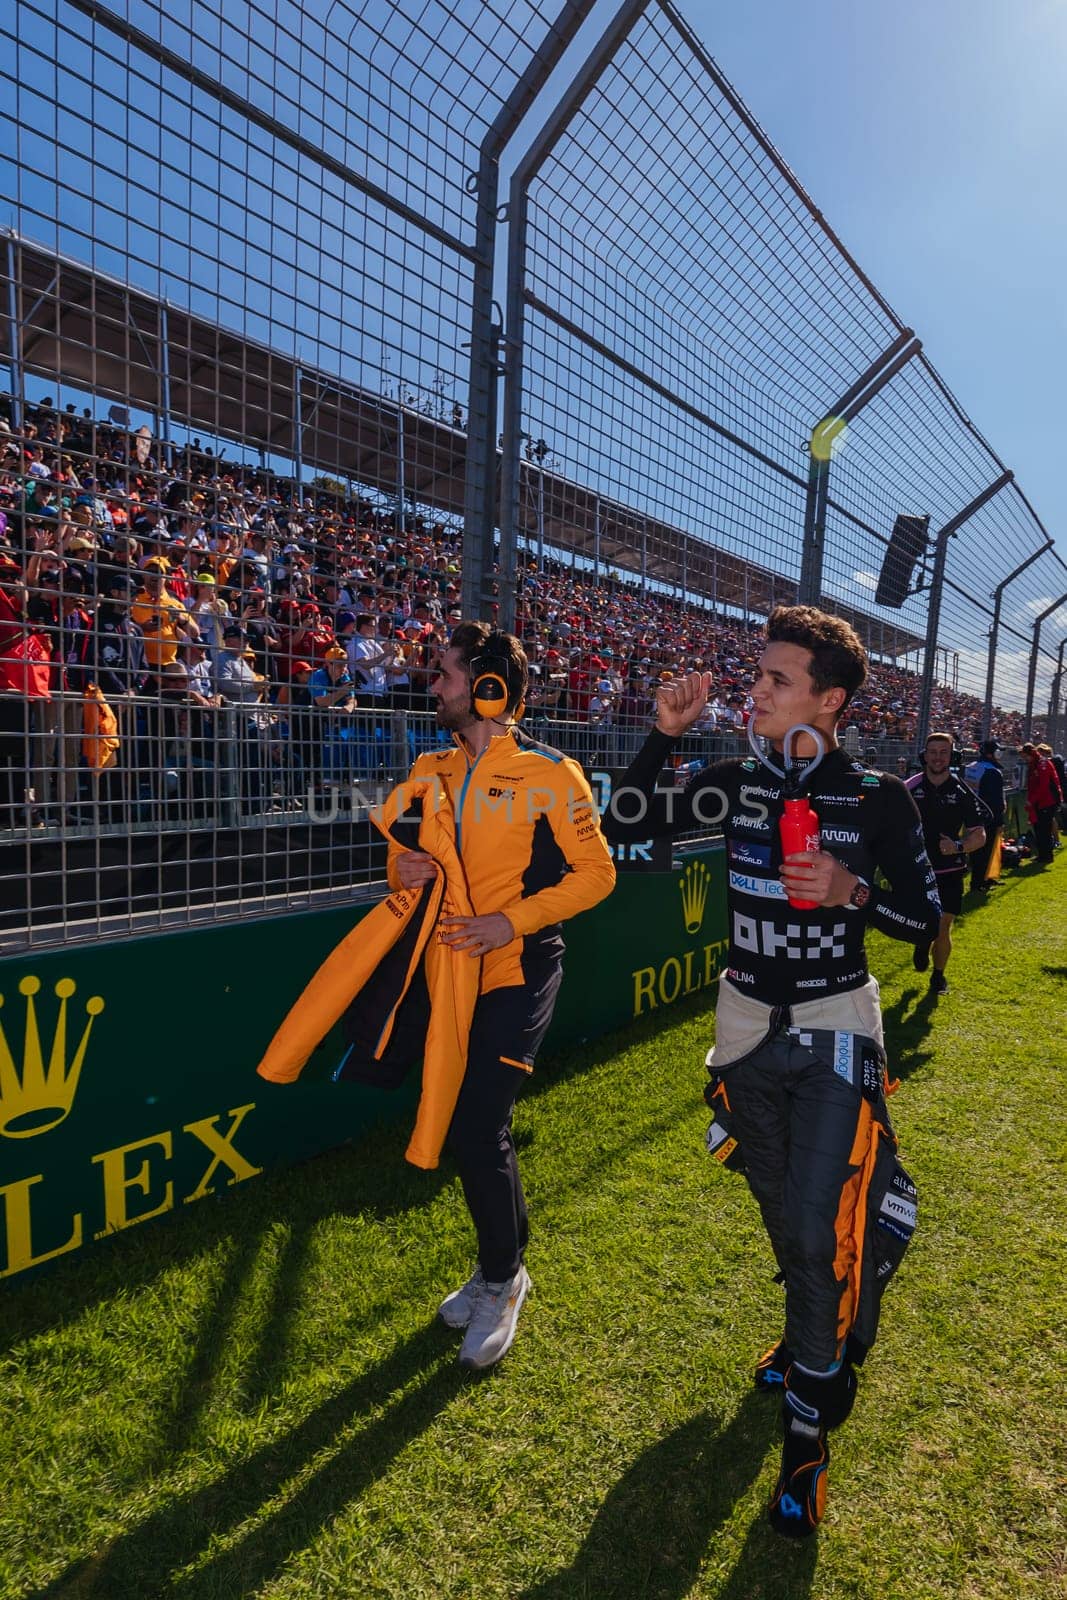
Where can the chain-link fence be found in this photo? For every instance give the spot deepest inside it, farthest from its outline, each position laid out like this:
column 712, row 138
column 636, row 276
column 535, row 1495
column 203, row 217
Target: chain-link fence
column 252, row 468
column 723, row 405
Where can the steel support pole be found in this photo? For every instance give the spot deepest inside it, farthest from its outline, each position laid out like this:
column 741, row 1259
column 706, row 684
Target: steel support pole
column 1054, row 705
column 480, row 484
column 540, row 517
column 298, row 431
column 1032, row 675
column 14, row 334
column 820, row 449
column 596, row 540
column 401, row 467
column 994, row 635
column 933, row 615
column 164, row 384
column 515, row 310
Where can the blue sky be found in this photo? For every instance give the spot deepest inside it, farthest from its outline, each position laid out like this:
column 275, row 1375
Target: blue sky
column 933, row 138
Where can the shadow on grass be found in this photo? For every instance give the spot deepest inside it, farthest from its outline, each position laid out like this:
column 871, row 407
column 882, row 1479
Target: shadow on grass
column 655, row 1526
column 194, row 1392
column 413, row 1384
column 1055, row 972
column 192, row 1395
column 906, row 1023
column 365, row 1177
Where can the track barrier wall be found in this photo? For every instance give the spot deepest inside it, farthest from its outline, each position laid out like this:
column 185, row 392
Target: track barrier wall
column 114, row 1114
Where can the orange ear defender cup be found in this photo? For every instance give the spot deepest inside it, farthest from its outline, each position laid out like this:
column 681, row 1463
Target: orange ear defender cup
column 489, row 694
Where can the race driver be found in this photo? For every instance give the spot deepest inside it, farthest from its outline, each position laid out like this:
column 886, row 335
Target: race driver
column 799, row 1061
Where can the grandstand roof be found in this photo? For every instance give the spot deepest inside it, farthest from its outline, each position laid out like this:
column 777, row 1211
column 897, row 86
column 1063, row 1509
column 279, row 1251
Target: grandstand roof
column 80, row 326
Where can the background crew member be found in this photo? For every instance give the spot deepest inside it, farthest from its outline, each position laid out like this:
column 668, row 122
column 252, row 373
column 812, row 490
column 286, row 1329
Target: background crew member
column 1044, row 796
column 798, row 1107
column 948, row 809
column 533, row 853
column 986, row 777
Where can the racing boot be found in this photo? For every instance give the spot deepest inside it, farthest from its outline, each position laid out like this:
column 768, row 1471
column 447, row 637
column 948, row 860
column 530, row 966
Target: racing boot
column 772, row 1367
column 813, row 1404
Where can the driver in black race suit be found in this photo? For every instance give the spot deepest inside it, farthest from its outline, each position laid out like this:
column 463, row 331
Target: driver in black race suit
column 798, row 1067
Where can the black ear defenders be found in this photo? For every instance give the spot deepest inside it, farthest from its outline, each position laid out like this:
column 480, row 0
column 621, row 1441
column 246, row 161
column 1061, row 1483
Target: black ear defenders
column 496, row 686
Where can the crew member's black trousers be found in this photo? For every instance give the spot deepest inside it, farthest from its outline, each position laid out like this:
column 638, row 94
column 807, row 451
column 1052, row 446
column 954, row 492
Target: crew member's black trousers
column 1043, row 832
column 506, row 1033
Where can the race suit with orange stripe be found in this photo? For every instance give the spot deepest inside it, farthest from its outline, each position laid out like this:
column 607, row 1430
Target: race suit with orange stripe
column 798, row 1065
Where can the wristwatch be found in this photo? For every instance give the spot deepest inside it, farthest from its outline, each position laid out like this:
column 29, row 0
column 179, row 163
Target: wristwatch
column 860, row 895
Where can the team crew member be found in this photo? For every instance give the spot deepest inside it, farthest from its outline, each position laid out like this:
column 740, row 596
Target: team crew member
column 986, row 777
column 1044, row 796
column 530, row 842
column 798, row 1063
column 954, row 824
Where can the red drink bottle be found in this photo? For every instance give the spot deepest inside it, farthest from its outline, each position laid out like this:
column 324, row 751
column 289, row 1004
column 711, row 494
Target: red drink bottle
column 799, row 830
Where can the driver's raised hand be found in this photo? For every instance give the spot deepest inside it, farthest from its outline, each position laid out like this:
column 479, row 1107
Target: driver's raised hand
column 680, row 702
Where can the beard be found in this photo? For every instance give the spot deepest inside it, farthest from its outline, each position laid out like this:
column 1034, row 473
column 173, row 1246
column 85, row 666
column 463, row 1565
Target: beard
column 453, row 718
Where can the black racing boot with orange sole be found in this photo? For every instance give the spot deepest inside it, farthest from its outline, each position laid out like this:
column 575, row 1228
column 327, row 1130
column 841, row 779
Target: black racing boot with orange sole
column 813, row 1404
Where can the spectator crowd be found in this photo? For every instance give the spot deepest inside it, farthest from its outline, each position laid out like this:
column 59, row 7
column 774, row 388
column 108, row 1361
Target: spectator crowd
column 151, row 609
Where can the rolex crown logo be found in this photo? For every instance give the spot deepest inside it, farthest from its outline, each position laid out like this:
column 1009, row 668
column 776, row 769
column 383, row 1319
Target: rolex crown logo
column 693, row 885
column 36, row 1097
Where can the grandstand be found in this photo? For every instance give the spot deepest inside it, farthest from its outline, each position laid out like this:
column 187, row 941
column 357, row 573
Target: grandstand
column 77, row 328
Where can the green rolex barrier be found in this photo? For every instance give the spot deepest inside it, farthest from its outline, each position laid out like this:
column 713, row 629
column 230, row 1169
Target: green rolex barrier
column 127, row 1070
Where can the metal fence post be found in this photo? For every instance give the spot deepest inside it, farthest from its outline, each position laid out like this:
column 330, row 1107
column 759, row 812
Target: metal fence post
column 14, row 334
column 994, row 635
column 401, row 473
column 933, row 615
column 515, row 310
column 164, row 384
column 1032, row 674
column 596, row 539
column 820, row 449
column 1054, row 700
column 479, row 490
column 298, row 431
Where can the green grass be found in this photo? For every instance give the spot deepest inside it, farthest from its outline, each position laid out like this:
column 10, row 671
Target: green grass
column 254, row 1400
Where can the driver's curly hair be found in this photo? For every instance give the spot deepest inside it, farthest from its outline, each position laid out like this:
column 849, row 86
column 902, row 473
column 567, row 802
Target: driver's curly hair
column 838, row 659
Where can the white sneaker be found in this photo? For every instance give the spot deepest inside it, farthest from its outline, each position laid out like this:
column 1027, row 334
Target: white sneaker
column 456, row 1308
column 493, row 1322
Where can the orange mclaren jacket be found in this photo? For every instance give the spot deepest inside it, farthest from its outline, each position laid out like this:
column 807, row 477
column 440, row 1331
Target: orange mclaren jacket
column 393, row 944
column 529, row 838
